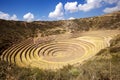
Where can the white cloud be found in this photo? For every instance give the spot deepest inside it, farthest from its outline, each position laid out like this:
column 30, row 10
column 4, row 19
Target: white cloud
column 87, row 6
column 71, row 18
column 91, row 4
column 7, row 16
column 58, row 12
column 71, row 7
column 14, row 17
column 110, row 1
column 28, row 17
column 4, row 16
column 38, row 20
column 112, row 9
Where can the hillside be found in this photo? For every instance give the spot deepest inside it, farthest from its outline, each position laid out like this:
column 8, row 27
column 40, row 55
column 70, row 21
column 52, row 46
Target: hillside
column 16, row 31
column 103, row 66
column 94, row 41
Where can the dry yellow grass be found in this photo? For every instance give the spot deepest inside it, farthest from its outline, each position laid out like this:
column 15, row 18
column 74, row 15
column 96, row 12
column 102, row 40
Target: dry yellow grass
column 57, row 54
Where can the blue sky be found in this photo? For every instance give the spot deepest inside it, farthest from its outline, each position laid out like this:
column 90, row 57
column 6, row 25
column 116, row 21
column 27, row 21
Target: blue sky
column 31, row 10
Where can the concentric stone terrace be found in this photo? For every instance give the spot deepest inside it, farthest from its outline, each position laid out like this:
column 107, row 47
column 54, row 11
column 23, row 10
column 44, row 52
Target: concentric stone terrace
column 55, row 55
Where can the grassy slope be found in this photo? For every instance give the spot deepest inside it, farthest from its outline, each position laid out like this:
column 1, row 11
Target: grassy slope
column 12, row 32
column 103, row 66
